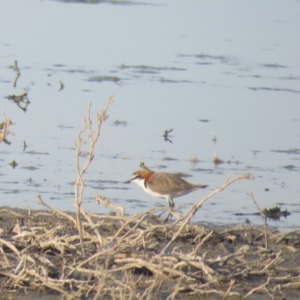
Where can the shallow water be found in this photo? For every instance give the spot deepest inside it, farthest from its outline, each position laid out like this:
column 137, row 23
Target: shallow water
column 195, row 67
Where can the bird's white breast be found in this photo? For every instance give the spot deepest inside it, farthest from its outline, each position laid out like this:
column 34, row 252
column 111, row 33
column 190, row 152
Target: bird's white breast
column 141, row 183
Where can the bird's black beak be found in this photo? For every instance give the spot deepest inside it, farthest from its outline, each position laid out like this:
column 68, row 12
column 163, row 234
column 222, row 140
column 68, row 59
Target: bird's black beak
column 127, row 181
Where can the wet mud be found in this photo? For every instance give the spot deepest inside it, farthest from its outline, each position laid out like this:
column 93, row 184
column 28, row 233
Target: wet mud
column 43, row 257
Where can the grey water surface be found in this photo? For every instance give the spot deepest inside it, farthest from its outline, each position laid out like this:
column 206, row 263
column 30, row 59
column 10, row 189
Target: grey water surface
column 224, row 69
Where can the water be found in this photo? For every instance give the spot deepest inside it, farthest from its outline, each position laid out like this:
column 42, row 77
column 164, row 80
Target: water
column 197, row 67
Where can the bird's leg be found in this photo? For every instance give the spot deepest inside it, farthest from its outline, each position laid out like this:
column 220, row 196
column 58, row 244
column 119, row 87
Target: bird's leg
column 171, row 204
column 167, row 218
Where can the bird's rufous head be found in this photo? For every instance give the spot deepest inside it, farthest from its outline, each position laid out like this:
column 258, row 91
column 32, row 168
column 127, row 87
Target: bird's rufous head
column 140, row 176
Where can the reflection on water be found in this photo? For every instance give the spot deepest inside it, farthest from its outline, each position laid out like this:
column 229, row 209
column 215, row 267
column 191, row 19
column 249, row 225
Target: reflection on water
column 192, row 95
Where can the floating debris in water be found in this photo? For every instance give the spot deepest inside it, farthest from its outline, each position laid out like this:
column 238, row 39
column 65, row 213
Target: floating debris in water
column 13, row 164
column 61, row 86
column 119, row 123
column 166, row 135
column 100, row 78
column 194, row 160
column 15, row 66
column 214, row 137
column 217, row 160
column 17, row 70
column 275, row 213
column 18, row 99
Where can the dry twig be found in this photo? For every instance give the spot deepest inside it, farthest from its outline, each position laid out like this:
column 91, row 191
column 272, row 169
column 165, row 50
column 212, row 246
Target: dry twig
column 87, row 136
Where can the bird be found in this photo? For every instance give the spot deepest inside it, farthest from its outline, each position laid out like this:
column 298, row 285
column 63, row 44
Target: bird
column 163, row 184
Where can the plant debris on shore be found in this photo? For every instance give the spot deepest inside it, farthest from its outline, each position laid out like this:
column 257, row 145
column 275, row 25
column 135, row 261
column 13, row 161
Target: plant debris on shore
column 40, row 252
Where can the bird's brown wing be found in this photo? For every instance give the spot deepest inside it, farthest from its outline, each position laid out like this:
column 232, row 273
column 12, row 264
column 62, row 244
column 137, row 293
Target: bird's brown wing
column 162, row 184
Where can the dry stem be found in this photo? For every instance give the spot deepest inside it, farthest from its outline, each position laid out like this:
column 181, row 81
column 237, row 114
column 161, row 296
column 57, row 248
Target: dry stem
column 194, row 208
column 87, row 136
column 4, row 129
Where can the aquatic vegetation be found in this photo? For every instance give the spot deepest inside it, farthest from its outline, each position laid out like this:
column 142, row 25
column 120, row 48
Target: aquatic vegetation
column 21, row 100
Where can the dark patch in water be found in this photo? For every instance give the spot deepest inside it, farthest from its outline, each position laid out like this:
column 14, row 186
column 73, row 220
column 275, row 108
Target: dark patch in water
column 150, row 69
column 249, row 76
column 290, row 77
column 119, row 123
column 273, row 66
column 182, row 175
column 37, row 153
column 290, row 167
column 76, row 71
column 136, row 71
column 32, row 168
column 161, row 167
column 11, row 192
column 59, row 65
column 35, row 185
column 97, row 187
column 289, row 151
column 256, row 151
column 164, row 80
column 54, row 198
column 209, row 58
column 133, row 200
column 100, row 78
column 64, row 126
column 204, row 170
column 203, row 63
column 103, row 181
column 169, row 158
column 273, row 89
column 10, row 182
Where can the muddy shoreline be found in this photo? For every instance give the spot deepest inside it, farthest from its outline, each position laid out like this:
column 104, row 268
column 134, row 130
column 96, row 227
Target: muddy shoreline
column 42, row 257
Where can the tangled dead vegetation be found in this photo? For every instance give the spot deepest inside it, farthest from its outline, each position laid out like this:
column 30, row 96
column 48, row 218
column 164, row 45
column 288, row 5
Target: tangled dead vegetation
column 81, row 255
column 127, row 258
column 4, row 130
